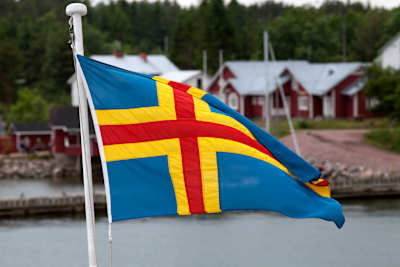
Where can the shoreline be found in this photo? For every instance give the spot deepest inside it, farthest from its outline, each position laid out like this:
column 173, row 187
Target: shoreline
column 74, row 204
column 347, row 183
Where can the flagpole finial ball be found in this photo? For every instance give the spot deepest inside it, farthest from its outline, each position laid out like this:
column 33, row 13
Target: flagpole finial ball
column 76, row 8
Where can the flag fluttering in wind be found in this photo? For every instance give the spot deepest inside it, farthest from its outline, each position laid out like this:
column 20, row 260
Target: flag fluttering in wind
column 171, row 149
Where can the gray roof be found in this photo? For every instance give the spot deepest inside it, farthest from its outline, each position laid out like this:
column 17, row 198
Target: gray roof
column 154, row 64
column 319, row 78
column 67, row 117
column 256, row 77
column 30, row 127
column 356, row 86
column 181, row 76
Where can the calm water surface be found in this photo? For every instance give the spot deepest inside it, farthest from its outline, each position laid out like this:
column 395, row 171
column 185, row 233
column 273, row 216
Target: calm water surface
column 40, row 187
column 370, row 237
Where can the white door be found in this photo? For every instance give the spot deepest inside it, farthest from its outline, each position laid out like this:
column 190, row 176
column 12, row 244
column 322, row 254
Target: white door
column 355, row 106
column 327, row 106
column 287, row 98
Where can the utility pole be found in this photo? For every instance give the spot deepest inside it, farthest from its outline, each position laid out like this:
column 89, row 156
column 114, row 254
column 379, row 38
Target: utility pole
column 203, row 82
column 344, row 42
column 166, row 45
column 309, row 52
column 285, row 106
column 267, row 107
column 221, row 57
column 344, row 33
column 221, row 75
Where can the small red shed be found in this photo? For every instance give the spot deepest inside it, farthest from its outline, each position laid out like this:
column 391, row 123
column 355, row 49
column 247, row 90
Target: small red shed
column 65, row 130
column 30, row 137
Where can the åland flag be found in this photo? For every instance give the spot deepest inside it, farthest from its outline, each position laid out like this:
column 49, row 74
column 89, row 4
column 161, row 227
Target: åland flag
column 171, row 149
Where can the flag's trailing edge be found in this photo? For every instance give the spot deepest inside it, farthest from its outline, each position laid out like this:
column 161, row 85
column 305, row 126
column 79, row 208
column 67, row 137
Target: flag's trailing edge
column 171, row 149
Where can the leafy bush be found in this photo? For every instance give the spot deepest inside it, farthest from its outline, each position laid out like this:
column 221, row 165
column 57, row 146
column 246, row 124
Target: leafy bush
column 304, row 124
column 384, row 86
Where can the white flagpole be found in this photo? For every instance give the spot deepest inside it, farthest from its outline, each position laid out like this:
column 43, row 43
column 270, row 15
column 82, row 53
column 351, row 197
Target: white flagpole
column 76, row 11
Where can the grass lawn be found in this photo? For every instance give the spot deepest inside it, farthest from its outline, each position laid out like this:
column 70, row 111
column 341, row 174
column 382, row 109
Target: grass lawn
column 280, row 128
column 385, row 138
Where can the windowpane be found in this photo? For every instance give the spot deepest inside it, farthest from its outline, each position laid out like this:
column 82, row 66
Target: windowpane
column 233, row 101
column 303, row 103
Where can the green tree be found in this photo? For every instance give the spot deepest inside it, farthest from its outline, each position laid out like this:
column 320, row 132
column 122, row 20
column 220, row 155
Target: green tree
column 384, row 86
column 30, row 107
column 392, row 23
column 33, row 34
column 246, row 31
column 10, row 59
column 368, row 37
column 306, row 33
column 218, row 33
column 96, row 41
column 183, row 53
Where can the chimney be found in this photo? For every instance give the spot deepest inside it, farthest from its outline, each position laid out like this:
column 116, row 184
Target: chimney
column 143, row 56
column 118, row 53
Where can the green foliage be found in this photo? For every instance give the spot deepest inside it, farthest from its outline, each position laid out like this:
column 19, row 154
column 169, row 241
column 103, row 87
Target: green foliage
column 387, row 138
column 34, row 52
column 342, row 124
column 9, row 70
column 392, row 23
column 384, row 86
column 186, row 56
column 30, row 107
column 368, row 37
column 281, row 128
column 303, row 124
column 218, row 29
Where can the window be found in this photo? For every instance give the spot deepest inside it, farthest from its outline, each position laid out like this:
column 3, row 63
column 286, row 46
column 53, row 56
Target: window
column 261, row 100
column 371, row 102
column 254, row 100
column 295, row 85
column 303, row 103
column 233, row 101
column 199, row 83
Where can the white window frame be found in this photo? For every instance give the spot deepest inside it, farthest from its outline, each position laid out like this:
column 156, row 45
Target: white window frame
column 261, row 101
column 371, row 102
column 302, row 101
column 295, row 85
column 233, row 101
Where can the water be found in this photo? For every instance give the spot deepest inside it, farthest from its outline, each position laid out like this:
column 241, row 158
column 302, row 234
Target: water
column 33, row 188
column 370, row 237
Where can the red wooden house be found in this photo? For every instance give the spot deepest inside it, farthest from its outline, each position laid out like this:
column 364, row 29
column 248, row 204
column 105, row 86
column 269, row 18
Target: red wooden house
column 242, row 84
column 330, row 90
column 311, row 90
